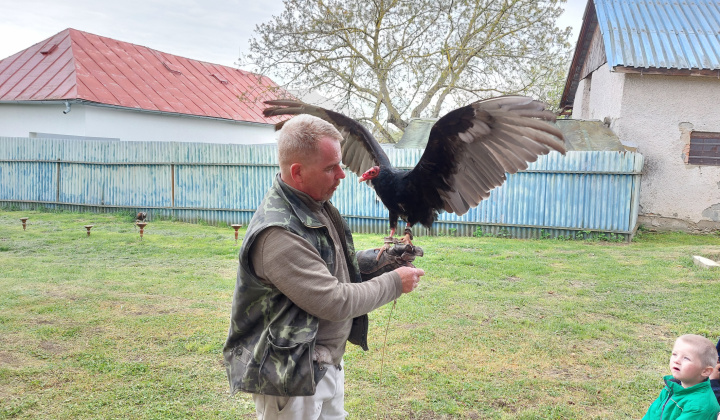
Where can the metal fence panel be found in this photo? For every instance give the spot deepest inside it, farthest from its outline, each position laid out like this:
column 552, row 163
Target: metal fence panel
column 556, row 196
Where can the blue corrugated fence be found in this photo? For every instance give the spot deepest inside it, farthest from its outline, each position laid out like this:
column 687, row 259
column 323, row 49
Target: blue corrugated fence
column 556, row 196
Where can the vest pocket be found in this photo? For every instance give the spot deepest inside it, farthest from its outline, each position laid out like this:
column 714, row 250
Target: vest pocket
column 237, row 360
column 288, row 367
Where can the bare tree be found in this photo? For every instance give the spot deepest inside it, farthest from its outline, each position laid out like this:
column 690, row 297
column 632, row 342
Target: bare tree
column 392, row 60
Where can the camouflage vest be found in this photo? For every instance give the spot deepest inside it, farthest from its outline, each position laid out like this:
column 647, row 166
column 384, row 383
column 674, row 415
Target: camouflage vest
column 271, row 341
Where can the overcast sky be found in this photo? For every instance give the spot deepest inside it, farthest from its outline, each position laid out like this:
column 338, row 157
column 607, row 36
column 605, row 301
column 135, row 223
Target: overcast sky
column 215, row 31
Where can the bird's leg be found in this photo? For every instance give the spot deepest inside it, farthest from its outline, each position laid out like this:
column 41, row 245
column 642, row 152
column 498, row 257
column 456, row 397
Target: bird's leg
column 407, row 239
column 389, row 241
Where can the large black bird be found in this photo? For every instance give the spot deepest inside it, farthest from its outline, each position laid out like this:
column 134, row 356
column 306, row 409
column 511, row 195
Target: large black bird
column 467, row 155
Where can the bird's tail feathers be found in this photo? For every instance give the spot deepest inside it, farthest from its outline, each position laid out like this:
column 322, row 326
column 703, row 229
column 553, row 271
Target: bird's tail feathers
column 280, row 110
column 284, row 102
column 280, row 125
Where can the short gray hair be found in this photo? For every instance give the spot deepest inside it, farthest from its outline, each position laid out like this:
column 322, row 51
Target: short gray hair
column 705, row 348
column 299, row 138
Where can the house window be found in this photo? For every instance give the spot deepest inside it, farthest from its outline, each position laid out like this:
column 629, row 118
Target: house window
column 704, row 148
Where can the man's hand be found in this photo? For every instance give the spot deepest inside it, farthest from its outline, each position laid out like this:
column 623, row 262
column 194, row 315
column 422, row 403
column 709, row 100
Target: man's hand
column 410, row 277
column 716, row 372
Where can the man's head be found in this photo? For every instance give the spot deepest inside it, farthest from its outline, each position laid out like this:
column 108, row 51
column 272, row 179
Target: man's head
column 693, row 359
column 309, row 154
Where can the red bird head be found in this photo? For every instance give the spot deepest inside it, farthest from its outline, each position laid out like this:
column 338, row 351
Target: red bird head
column 370, row 174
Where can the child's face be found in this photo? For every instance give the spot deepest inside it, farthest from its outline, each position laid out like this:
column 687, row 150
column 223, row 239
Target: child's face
column 685, row 365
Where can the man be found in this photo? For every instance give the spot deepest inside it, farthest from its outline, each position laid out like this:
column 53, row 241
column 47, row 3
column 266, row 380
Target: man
column 299, row 296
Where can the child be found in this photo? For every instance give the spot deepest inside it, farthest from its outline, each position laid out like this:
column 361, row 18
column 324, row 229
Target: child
column 715, row 376
column 687, row 393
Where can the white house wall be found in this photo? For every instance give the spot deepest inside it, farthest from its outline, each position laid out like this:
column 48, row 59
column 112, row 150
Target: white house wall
column 599, row 96
column 19, row 120
column 658, row 113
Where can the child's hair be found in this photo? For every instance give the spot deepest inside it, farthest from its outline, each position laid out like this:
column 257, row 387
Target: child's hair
column 706, row 350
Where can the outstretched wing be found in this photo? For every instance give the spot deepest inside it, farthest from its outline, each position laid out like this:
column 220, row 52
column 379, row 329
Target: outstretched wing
column 360, row 150
column 471, row 148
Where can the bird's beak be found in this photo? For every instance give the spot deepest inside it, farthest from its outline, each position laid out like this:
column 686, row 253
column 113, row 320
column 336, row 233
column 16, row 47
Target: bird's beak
column 362, row 179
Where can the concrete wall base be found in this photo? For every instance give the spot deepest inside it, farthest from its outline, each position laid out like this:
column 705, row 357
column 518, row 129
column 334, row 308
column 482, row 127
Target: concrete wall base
column 665, row 224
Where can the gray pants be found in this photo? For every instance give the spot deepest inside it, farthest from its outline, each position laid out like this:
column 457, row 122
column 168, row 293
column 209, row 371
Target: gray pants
column 327, row 403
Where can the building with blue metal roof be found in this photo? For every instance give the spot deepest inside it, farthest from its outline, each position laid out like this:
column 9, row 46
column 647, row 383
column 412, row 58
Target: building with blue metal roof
column 650, row 70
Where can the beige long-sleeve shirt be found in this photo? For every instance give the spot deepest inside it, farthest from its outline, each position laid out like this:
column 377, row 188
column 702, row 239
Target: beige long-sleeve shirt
column 292, row 265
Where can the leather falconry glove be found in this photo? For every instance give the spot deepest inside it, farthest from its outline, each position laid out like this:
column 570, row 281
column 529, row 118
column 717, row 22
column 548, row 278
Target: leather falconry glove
column 399, row 255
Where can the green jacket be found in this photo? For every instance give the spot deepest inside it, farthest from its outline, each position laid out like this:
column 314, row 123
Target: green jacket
column 675, row 402
column 271, row 342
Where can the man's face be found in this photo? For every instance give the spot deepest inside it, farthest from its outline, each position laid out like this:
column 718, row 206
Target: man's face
column 322, row 174
column 685, row 364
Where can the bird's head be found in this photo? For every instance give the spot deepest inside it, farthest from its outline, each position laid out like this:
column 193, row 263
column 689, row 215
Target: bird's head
column 370, row 174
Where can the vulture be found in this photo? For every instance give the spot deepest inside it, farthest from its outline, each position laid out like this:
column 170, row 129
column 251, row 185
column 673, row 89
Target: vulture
column 468, row 153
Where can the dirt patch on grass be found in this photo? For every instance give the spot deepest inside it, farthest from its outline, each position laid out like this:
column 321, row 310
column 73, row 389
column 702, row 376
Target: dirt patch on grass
column 63, row 294
column 568, row 373
column 10, row 360
column 500, row 404
column 144, row 309
column 52, row 347
column 144, row 304
column 654, row 332
column 18, row 360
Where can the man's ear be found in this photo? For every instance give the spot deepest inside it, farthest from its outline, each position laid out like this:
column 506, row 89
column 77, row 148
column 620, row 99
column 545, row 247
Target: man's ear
column 296, row 173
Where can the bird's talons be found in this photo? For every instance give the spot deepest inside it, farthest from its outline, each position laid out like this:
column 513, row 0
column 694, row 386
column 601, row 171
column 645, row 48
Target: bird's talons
column 407, row 239
column 389, row 242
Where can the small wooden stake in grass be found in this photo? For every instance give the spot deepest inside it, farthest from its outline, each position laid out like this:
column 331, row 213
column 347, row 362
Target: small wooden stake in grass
column 236, row 227
column 141, row 225
column 24, row 221
column 88, row 227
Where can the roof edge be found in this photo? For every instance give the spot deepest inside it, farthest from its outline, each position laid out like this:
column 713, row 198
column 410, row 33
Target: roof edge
column 65, row 102
column 715, row 73
column 584, row 38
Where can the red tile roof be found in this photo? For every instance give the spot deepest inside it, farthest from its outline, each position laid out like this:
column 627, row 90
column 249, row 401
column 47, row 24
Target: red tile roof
column 76, row 65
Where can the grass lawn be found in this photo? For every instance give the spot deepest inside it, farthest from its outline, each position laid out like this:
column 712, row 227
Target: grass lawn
column 109, row 326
